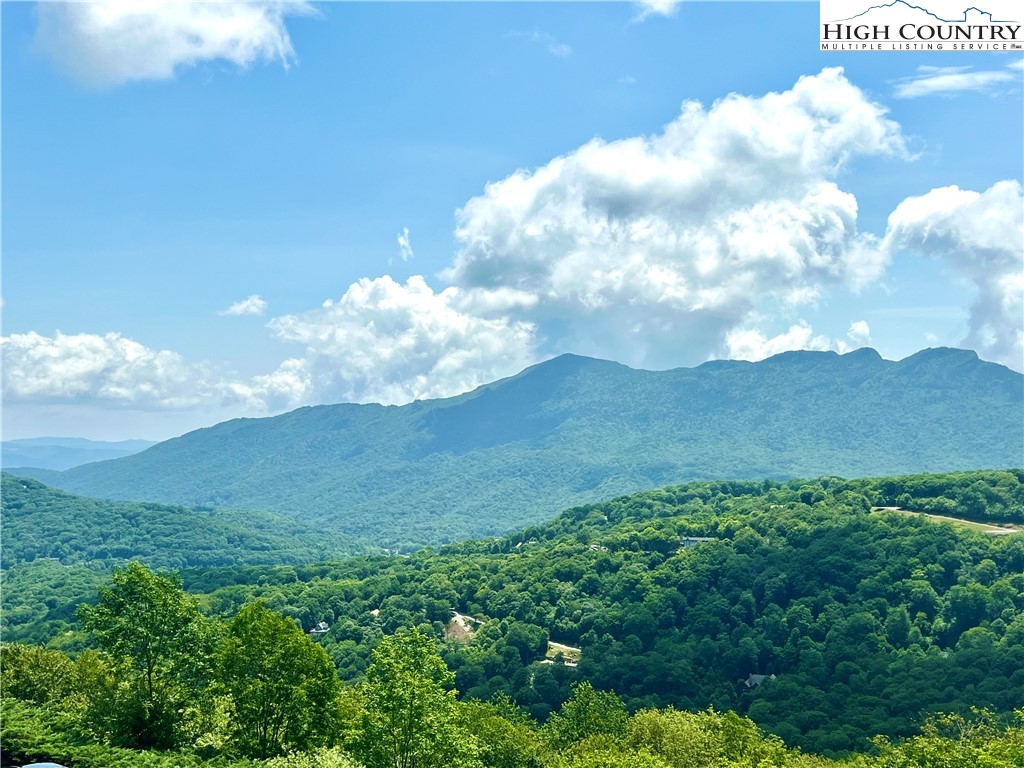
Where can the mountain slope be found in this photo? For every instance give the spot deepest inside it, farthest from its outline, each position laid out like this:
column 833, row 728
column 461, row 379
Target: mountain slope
column 573, row 430
column 44, row 523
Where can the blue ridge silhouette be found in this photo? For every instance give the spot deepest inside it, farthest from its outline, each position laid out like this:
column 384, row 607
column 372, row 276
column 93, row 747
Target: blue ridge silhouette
column 934, row 16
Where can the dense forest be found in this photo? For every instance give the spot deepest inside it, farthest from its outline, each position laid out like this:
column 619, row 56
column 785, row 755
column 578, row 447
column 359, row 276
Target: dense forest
column 42, row 522
column 804, row 606
column 57, row 547
column 574, row 430
column 169, row 687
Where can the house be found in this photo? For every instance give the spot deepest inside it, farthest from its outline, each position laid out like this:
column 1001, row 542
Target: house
column 320, row 628
column 754, row 681
column 693, row 541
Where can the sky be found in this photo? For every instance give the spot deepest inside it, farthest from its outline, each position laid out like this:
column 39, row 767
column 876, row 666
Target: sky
column 216, row 210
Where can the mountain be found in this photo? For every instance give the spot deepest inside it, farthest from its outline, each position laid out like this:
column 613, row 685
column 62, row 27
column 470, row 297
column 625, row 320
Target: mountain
column 57, row 543
column 59, row 453
column 574, row 430
column 44, row 523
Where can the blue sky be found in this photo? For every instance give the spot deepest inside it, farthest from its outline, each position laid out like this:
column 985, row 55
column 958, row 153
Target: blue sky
column 534, row 158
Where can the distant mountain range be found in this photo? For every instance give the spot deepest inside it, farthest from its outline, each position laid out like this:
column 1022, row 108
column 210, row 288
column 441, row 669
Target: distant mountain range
column 60, row 453
column 574, row 430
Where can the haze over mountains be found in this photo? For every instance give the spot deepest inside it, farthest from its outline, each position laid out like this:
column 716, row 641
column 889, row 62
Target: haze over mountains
column 573, row 430
column 59, row 453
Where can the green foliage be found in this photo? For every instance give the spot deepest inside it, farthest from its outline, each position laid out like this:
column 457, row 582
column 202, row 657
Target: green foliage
column 150, row 622
column 283, row 686
column 868, row 620
column 34, row 674
column 995, row 495
column 574, row 430
column 411, row 716
column 704, row 739
column 44, row 523
column 977, row 740
column 793, row 605
column 587, row 713
column 57, row 548
column 506, row 737
column 605, row 752
column 318, row 758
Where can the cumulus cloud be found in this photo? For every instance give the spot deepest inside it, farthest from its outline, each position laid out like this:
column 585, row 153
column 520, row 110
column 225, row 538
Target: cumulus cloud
column 751, row 344
column 931, row 81
column 647, row 8
column 110, row 368
column 289, row 386
column 655, row 250
column 113, row 370
column 859, row 332
column 110, row 42
column 981, row 236
column 389, row 342
column 253, row 305
column 641, row 247
column 405, row 245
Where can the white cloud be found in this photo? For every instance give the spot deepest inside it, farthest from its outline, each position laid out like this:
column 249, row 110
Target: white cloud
column 110, row 368
column 859, row 332
column 253, row 305
column 382, row 341
column 654, row 250
column 387, row 342
column 930, row 81
column 110, row 42
column 980, row 235
column 289, row 386
column 405, row 245
column 643, row 247
column 751, row 344
column 647, row 8
column 550, row 43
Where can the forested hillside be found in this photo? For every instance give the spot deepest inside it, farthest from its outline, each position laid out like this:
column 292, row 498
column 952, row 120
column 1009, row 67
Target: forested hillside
column 56, row 543
column 574, row 430
column 866, row 619
column 801, row 605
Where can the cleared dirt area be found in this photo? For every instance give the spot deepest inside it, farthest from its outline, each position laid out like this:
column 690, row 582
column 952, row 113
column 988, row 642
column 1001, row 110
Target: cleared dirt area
column 993, row 529
column 567, row 651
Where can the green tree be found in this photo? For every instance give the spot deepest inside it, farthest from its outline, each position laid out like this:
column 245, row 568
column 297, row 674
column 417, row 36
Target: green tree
column 283, row 686
column 411, row 718
column 148, row 620
column 507, row 737
column 34, row 674
column 587, row 713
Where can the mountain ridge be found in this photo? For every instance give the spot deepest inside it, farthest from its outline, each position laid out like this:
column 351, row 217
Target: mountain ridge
column 60, row 453
column 574, row 430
